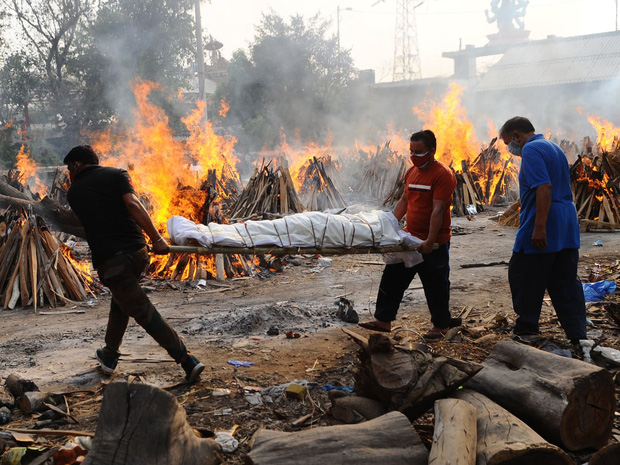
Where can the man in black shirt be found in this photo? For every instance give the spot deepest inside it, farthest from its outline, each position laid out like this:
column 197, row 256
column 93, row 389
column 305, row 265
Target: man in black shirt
column 114, row 218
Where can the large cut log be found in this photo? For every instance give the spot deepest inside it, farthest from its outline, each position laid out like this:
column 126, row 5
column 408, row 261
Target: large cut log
column 503, row 439
column 142, row 424
column 406, row 380
column 389, row 439
column 10, row 191
column 608, row 455
column 569, row 402
column 454, row 438
column 350, row 408
column 58, row 217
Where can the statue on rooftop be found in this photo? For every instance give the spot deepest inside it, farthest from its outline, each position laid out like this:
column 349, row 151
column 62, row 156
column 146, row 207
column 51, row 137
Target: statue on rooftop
column 508, row 14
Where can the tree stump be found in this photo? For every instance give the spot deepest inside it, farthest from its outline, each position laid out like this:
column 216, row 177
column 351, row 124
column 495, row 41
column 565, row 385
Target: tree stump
column 389, row 439
column 454, row 439
column 503, row 439
column 141, row 424
column 569, row 402
column 406, row 380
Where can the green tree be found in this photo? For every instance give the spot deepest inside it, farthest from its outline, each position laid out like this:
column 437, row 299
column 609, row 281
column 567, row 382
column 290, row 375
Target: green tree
column 49, row 28
column 147, row 39
column 19, row 85
column 295, row 79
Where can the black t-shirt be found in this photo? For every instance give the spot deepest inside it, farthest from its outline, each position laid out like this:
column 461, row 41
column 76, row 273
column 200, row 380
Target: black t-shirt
column 96, row 197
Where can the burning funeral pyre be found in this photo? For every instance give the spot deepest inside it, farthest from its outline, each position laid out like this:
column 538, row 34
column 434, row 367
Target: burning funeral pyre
column 595, row 185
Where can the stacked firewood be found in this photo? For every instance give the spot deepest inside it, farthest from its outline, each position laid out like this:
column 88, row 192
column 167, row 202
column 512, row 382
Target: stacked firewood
column 466, row 199
column 487, row 167
column 399, row 187
column 595, row 190
column 270, row 190
column 34, row 267
column 381, row 172
column 317, row 191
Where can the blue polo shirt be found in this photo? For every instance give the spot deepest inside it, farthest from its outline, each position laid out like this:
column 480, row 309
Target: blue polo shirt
column 544, row 162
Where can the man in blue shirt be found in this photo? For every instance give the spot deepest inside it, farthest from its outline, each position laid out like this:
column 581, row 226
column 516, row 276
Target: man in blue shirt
column 546, row 249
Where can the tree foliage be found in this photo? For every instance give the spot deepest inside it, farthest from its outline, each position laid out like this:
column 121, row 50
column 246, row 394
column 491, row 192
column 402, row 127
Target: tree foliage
column 75, row 60
column 49, row 27
column 294, row 79
column 130, row 39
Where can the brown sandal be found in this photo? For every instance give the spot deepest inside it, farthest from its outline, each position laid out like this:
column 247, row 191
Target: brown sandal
column 373, row 326
column 436, row 333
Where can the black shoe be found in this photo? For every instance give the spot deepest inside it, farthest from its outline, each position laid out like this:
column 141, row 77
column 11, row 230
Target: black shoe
column 108, row 363
column 192, row 368
column 454, row 322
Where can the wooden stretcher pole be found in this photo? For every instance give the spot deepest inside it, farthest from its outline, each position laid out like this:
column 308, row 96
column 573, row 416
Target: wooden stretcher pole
column 291, row 250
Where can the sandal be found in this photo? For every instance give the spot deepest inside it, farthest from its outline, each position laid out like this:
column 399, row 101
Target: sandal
column 436, row 333
column 373, row 326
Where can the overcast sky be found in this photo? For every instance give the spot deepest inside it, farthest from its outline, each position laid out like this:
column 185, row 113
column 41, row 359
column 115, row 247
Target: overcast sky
column 368, row 27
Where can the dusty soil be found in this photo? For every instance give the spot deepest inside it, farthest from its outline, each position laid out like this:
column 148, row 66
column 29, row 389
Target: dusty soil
column 229, row 321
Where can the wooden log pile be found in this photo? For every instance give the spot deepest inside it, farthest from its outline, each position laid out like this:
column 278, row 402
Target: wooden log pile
column 406, row 380
column 466, row 199
column 511, row 216
column 318, row 192
column 381, row 172
column 399, row 187
column 521, row 405
column 270, row 190
column 596, row 192
column 34, row 269
column 493, row 179
column 569, row 402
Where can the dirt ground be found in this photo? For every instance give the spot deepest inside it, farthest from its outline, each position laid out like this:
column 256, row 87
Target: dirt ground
column 229, row 321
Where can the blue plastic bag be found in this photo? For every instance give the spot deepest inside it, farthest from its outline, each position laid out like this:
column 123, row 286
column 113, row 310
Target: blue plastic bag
column 595, row 292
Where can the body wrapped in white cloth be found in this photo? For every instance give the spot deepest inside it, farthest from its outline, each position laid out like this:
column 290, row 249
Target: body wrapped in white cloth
column 308, row 229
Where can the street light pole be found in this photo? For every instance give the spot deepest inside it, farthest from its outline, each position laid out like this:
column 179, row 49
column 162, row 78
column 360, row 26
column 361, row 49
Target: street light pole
column 338, row 24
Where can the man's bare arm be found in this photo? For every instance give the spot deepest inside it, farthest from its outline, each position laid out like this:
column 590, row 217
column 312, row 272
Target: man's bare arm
column 543, row 205
column 142, row 217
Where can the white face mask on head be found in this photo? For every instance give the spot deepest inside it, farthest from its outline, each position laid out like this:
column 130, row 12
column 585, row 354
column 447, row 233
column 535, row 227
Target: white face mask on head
column 514, row 148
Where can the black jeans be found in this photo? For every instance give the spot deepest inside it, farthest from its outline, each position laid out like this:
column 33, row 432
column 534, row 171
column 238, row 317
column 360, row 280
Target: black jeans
column 121, row 274
column 434, row 273
column 531, row 274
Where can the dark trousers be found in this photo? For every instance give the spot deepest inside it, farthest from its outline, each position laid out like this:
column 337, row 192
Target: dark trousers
column 121, row 274
column 434, row 273
column 531, row 274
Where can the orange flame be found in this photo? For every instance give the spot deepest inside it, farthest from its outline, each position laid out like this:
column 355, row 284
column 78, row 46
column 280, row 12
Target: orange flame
column 25, row 165
column 224, row 107
column 456, row 140
column 160, row 164
column 28, row 169
column 168, row 173
column 607, row 134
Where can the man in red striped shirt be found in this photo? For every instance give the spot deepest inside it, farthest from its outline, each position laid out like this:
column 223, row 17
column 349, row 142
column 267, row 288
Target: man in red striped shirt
column 429, row 185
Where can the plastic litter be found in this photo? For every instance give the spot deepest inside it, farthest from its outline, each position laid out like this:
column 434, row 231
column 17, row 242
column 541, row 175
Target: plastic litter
column 254, row 398
column 595, row 292
column 240, row 363
column 329, row 387
column 586, row 347
column 220, row 392
column 277, row 391
column 554, row 349
column 597, row 244
column 227, row 441
column 611, row 356
column 224, row 412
